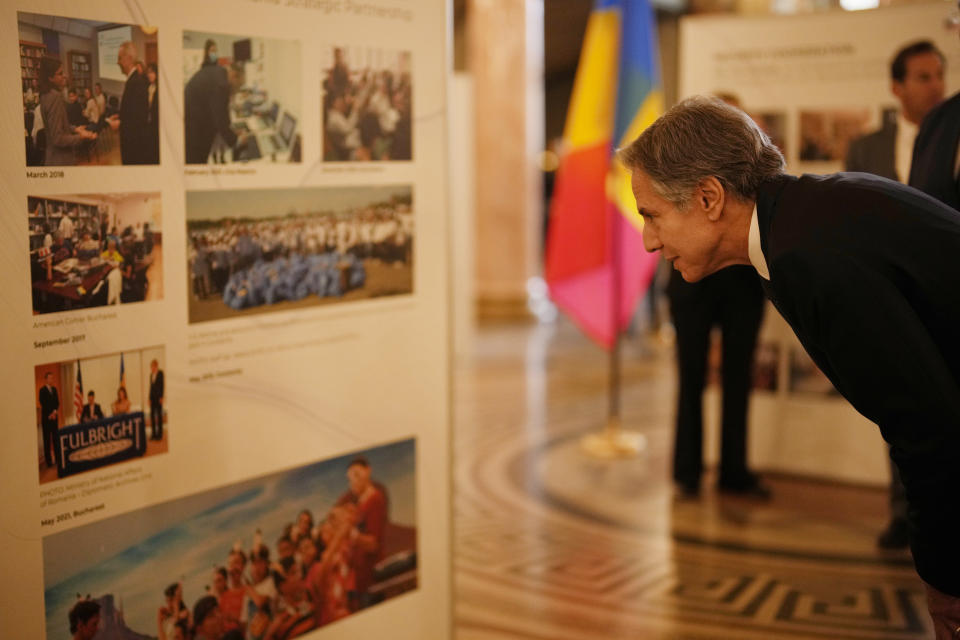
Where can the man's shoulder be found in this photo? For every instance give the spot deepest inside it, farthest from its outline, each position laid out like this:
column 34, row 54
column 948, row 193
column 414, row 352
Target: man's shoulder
column 877, row 136
column 946, row 111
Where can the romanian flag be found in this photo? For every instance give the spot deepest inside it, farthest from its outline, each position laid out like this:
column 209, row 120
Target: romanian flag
column 596, row 266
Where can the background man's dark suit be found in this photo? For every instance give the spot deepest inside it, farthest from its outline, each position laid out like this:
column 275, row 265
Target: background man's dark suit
column 864, row 271
column 733, row 300
column 135, row 132
column 49, row 402
column 206, row 109
column 875, row 153
column 156, row 405
column 935, row 153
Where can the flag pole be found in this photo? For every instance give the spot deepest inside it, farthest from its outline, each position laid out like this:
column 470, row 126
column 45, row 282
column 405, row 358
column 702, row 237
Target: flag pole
column 613, row 442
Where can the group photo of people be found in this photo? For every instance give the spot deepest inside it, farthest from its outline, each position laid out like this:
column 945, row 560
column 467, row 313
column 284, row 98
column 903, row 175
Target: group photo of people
column 367, row 105
column 254, row 251
column 241, row 99
column 92, row 250
column 90, row 389
column 89, row 90
column 279, row 556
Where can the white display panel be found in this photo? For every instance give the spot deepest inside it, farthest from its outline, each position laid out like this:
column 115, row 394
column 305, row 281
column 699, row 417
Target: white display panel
column 316, row 336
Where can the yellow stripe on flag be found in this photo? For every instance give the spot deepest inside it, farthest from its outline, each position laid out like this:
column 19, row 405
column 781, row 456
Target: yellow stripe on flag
column 591, row 113
column 619, row 190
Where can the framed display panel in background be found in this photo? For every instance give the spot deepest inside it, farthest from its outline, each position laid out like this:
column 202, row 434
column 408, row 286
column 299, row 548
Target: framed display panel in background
column 280, row 383
column 814, row 83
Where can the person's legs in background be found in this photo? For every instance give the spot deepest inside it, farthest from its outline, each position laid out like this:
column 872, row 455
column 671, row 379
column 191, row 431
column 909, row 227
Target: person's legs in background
column 691, row 309
column 741, row 303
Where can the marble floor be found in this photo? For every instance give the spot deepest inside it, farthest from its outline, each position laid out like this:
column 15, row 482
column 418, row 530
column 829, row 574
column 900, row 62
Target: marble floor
column 553, row 545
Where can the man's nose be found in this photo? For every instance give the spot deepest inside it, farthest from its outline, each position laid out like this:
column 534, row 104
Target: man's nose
column 650, row 240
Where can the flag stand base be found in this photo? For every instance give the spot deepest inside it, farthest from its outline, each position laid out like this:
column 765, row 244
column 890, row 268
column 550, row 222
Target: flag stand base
column 612, row 443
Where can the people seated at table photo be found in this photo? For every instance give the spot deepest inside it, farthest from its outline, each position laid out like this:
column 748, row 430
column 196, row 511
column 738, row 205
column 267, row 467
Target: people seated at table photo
column 79, row 258
column 367, row 114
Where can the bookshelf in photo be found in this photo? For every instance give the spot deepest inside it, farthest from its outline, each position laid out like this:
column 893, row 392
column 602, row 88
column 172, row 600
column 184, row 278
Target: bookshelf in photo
column 81, row 73
column 30, row 55
column 45, row 215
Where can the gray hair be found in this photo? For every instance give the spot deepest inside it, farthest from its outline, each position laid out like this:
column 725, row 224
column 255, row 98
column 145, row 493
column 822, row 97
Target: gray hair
column 127, row 47
column 698, row 138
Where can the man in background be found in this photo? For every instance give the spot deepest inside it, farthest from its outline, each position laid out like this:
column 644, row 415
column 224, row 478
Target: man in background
column 49, row 401
column 935, row 154
column 156, row 400
column 132, row 121
column 206, row 108
column 916, row 79
column 370, row 524
column 91, row 410
column 74, row 110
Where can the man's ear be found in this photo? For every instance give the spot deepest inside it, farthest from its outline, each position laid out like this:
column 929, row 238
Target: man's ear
column 710, row 197
column 896, row 88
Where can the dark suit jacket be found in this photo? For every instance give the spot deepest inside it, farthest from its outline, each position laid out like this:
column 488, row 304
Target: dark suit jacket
column 156, row 388
column 875, row 153
column 206, row 112
column 153, row 120
column 935, row 152
column 86, row 416
column 135, row 132
column 49, row 401
column 865, row 271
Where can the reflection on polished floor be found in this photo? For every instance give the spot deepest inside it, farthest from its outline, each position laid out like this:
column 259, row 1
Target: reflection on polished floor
column 551, row 545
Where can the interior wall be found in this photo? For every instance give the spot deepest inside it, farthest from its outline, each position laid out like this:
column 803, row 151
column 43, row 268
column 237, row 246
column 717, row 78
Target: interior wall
column 139, row 208
column 30, row 32
column 281, row 60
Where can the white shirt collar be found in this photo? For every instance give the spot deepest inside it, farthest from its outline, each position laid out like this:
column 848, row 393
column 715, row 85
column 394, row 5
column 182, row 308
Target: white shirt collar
column 754, row 250
column 903, row 147
column 133, row 69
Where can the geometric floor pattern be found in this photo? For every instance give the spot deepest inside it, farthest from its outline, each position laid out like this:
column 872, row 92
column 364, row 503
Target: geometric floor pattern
column 552, row 546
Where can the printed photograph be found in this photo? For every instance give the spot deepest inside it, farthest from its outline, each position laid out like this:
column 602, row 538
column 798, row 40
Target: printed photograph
column 774, row 124
column 92, row 250
column 271, row 558
column 806, row 377
column 256, row 251
column 826, row 135
column 367, row 104
column 90, row 91
column 94, row 412
column 241, row 99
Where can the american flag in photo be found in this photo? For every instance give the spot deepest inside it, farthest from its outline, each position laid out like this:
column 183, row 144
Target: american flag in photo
column 78, row 394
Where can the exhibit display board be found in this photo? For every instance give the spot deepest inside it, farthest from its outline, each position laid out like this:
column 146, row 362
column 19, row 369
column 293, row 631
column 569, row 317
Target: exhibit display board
column 814, row 83
column 225, row 319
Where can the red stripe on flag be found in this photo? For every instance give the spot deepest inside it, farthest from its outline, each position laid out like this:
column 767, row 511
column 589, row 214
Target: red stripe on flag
column 578, row 238
column 78, row 395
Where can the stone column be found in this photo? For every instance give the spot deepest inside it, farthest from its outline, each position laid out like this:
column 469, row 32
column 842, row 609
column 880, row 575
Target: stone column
column 505, row 58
